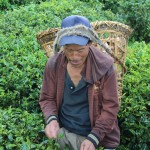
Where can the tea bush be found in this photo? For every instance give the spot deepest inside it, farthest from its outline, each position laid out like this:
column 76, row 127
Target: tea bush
column 135, row 13
column 134, row 113
column 22, row 62
column 11, row 4
column 21, row 130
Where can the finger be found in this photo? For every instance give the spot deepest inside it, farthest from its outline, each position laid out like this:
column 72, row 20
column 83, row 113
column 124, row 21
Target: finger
column 86, row 147
column 82, row 146
column 48, row 133
column 91, row 148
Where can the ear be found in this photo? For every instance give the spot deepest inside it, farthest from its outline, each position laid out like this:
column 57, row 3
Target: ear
column 89, row 43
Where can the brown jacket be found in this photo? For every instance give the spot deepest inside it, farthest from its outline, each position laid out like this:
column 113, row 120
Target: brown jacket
column 102, row 93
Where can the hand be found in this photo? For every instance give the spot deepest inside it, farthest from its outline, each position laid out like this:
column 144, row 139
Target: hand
column 87, row 145
column 51, row 130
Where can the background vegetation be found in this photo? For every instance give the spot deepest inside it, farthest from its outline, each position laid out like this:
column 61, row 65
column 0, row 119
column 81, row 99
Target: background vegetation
column 22, row 63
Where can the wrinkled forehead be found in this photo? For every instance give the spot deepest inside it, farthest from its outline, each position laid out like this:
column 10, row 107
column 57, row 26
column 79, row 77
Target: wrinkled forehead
column 71, row 46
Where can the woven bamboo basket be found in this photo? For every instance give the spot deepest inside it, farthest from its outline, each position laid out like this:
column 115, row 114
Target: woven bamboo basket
column 115, row 36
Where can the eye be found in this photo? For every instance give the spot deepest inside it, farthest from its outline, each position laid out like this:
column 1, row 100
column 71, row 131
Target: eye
column 74, row 50
column 79, row 51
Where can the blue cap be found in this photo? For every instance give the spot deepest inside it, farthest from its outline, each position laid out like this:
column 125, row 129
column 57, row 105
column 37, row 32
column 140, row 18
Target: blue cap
column 74, row 39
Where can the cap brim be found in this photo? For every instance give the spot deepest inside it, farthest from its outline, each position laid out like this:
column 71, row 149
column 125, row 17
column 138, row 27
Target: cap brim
column 74, row 39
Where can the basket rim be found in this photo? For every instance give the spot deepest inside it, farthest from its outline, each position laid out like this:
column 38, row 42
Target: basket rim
column 109, row 25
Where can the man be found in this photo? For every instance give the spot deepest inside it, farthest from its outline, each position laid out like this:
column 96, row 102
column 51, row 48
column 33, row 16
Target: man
column 79, row 91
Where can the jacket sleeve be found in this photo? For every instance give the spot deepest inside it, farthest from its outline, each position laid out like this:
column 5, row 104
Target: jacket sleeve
column 110, row 106
column 47, row 99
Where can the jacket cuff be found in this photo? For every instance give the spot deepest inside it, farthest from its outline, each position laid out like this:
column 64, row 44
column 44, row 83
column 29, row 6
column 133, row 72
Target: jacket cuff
column 94, row 139
column 50, row 118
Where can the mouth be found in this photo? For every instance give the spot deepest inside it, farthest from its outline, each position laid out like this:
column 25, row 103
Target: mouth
column 75, row 62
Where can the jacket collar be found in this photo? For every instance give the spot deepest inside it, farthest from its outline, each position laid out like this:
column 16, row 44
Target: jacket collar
column 97, row 65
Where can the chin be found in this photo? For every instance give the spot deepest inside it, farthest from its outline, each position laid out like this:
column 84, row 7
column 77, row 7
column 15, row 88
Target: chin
column 77, row 65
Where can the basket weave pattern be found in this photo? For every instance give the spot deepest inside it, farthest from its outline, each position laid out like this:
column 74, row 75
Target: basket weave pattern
column 113, row 34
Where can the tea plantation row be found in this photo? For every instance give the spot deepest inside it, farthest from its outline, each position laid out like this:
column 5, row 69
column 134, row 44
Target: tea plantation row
column 21, row 68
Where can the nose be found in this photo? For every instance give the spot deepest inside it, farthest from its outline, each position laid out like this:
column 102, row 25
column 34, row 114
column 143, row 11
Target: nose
column 74, row 54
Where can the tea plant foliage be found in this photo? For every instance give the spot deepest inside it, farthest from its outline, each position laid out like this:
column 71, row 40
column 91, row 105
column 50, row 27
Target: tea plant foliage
column 134, row 115
column 22, row 63
column 134, row 13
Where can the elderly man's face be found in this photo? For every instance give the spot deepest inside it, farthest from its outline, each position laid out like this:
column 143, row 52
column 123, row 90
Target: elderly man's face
column 76, row 54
